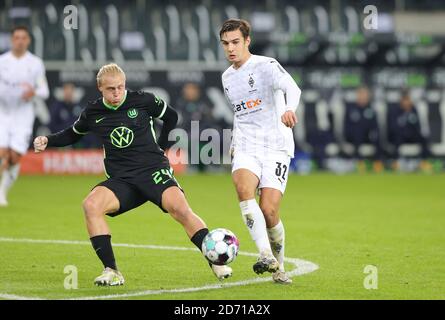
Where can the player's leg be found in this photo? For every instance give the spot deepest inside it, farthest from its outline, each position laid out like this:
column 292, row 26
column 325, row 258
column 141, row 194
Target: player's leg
column 4, row 139
column 245, row 173
column 3, row 168
column 100, row 201
column 5, row 124
column 270, row 200
column 4, row 152
column 174, row 202
column 17, row 136
column 3, row 158
column 273, row 185
column 246, row 184
column 96, row 205
column 10, row 172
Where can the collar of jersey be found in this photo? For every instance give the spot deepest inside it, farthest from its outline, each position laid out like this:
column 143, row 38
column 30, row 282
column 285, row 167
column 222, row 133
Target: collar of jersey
column 245, row 63
column 25, row 55
column 109, row 106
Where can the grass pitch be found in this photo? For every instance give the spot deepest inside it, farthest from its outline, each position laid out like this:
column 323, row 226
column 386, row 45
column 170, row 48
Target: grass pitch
column 340, row 223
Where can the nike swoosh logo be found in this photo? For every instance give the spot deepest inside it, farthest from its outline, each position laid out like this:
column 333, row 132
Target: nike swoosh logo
column 99, row 120
column 166, row 181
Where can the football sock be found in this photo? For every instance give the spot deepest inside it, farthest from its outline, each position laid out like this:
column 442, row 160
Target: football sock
column 198, row 237
column 8, row 177
column 276, row 239
column 256, row 224
column 102, row 246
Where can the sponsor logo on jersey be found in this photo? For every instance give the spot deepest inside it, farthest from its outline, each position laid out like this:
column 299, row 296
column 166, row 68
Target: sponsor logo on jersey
column 121, row 137
column 244, row 105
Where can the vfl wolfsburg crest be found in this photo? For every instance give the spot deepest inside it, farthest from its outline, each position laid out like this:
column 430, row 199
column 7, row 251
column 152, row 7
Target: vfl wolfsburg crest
column 132, row 113
column 121, row 137
column 158, row 100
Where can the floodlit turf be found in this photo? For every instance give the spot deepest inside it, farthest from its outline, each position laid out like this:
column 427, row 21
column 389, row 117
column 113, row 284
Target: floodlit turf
column 340, row 223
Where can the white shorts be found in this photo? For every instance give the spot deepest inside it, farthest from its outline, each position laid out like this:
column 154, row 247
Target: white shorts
column 16, row 129
column 272, row 170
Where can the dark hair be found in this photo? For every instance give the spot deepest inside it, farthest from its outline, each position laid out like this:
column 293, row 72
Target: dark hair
column 235, row 24
column 22, row 28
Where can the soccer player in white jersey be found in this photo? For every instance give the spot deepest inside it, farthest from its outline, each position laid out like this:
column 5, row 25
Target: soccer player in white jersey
column 264, row 98
column 22, row 77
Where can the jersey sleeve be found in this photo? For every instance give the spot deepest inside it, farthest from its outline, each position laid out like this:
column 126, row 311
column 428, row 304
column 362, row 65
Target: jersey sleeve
column 8, row 90
column 225, row 89
column 71, row 134
column 41, row 90
column 156, row 106
column 80, row 126
column 283, row 81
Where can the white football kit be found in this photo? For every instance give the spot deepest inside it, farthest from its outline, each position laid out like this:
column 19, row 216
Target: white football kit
column 17, row 115
column 260, row 92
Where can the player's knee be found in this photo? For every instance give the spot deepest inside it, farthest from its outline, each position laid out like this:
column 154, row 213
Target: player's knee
column 4, row 158
column 244, row 192
column 91, row 207
column 179, row 212
column 14, row 158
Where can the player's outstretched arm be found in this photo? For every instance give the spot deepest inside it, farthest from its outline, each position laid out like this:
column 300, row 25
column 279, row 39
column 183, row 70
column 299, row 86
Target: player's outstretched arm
column 170, row 119
column 60, row 139
column 40, row 144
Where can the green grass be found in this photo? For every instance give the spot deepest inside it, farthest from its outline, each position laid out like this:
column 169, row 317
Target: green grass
column 340, row 223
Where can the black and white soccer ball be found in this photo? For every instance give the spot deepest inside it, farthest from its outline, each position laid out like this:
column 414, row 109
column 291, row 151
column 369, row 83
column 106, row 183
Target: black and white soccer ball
column 220, row 246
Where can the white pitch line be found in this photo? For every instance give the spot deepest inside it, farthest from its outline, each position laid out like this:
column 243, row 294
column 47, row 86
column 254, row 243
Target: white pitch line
column 301, row 267
column 15, row 297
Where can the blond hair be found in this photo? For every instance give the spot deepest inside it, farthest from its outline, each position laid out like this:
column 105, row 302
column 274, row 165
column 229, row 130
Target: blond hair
column 111, row 68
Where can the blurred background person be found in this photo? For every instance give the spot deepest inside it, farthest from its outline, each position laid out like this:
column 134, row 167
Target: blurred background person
column 361, row 127
column 404, row 126
column 192, row 106
column 64, row 112
column 22, row 78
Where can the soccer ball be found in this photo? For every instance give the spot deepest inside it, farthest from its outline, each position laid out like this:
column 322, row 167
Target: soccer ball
column 220, row 246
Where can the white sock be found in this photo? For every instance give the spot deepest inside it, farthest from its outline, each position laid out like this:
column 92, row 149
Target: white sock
column 8, row 177
column 254, row 219
column 276, row 238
